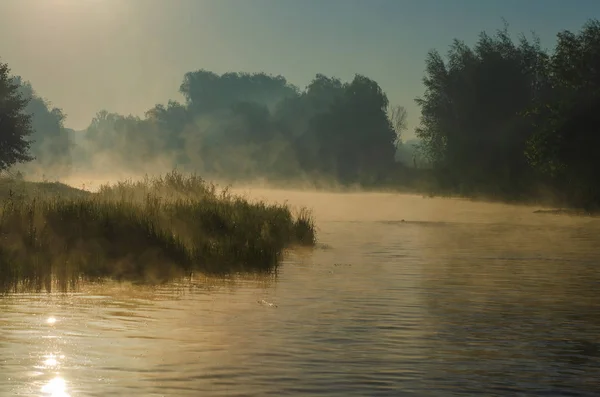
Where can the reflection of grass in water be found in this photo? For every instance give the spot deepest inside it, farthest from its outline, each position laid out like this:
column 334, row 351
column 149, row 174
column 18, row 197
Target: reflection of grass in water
column 151, row 230
column 199, row 283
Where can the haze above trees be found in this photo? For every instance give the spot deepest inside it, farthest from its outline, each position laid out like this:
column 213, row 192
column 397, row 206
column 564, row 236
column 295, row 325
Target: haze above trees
column 504, row 118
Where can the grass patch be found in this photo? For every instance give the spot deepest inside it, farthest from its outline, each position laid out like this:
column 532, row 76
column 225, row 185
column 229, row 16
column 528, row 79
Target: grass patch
column 150, row 230
column 12, row 188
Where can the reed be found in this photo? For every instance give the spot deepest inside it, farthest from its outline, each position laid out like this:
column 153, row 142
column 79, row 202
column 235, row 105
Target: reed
column 150, row 230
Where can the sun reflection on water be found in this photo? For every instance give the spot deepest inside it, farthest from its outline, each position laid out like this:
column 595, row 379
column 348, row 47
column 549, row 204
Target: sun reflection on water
column 57, row 387
column 52, row 360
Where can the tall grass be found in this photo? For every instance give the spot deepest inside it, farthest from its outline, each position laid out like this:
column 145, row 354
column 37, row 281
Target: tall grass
column 151, row 230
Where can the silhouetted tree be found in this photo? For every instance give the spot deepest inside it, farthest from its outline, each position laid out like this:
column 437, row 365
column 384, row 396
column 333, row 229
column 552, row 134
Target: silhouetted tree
column 566, row 140
column 471, row 123
column 15, row 122
column 353, row 139
column 505, row 118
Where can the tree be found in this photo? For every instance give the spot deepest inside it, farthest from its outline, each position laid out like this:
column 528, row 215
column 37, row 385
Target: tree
column 129, row 141
column 567, row 118
column 399, row 119
column 206, row 91
column 51, row 144
column 352, row 139
column 171, row 121
column 15, row 123
column 471, row 113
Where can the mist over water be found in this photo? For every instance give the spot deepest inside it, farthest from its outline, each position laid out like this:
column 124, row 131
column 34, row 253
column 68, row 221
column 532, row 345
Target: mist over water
column 403, row 296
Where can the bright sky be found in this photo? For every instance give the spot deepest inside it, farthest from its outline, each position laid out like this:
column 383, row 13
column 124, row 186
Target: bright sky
column 127, row 55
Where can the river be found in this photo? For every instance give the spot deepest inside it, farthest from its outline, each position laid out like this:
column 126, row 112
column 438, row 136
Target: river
column 404, row 296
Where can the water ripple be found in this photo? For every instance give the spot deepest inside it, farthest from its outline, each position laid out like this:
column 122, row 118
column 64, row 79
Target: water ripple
column 416, row 308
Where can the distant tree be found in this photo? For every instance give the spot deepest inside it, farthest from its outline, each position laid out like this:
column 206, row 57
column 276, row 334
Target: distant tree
column 409, row 154
column 172, row 118
column 206, row 91
column 129, row 140
column 399, row 119
column 352, row 139
column 294, row 114
column 171, row 121
column 15, row 122
column 51, row 144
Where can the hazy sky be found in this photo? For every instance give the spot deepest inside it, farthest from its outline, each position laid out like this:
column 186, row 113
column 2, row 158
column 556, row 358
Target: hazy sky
column 127, row 55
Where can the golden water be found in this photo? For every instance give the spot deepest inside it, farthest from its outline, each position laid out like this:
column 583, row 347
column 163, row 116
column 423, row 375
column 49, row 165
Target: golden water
column 460, row 298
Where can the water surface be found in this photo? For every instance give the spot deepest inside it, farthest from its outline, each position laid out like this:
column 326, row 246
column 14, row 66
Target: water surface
column 403, row 296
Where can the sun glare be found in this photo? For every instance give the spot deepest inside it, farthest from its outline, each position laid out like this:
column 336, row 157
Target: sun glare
column 57, row 387
column 50, row 362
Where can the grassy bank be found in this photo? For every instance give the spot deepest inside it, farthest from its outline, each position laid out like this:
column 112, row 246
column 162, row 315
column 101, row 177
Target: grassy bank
column 11, row 188
column 150, row 230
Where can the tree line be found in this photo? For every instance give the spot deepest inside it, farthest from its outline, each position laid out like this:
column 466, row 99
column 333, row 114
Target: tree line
column 504, row 118
column 245, row 125
column 512, row 120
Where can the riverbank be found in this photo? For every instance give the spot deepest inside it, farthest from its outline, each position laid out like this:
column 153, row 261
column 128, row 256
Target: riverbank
column 149, row 230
